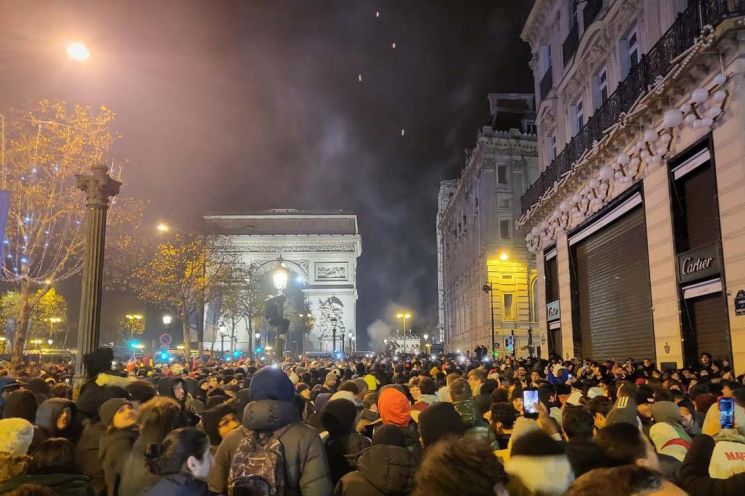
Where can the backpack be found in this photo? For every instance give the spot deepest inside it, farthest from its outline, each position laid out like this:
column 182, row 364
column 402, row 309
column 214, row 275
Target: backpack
column 258, row 466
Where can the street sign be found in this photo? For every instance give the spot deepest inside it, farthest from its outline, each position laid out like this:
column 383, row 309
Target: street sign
column 166, row 339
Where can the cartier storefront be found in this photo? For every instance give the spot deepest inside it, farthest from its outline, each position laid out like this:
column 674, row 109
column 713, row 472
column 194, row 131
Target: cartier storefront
column 696, row 227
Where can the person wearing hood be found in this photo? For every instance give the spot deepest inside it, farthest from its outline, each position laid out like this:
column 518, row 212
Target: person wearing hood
column 7, row 386
column 39, row 387
column 218, row 422
column 16, row 435
column 343, row 443
column 272, row 412
column 394, row 408
column 56, row 417
column 119, row 418
column 156, row 419
column 53, row 465
column 465, row 405
column 21, row 403
column 386, row 468
column 183, row 462
column 667, row 433
column 538, row 465
column 175, row 387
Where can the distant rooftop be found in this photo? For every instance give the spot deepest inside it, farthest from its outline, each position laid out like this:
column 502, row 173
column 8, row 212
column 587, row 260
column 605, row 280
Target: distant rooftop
column 512, row 111
column 284, row 221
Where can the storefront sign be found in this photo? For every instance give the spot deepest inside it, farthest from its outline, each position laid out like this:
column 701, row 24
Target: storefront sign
column 740, row 303
column 698, row 264
column 553, row 311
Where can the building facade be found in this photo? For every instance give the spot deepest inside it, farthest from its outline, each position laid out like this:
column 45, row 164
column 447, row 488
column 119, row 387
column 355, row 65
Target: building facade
column 486, row 274
column 637, row 219
column 318, row 249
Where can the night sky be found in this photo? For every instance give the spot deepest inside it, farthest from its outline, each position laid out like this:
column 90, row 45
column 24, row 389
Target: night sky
column 230, row 106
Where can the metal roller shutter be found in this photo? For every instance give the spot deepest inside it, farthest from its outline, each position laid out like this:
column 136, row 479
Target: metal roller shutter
column 613, row 293
column 711, row 326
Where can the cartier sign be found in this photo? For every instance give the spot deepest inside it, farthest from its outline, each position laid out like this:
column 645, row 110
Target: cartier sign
column 697, row 264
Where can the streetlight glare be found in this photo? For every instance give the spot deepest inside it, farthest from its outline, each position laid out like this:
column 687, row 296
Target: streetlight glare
column 163, row 227
column 78, row 51
column 504, row 256
column 167, row 319
column 280, row 279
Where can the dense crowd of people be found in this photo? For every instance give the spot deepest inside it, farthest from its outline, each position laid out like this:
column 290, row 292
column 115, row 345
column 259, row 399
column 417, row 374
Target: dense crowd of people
column 375, row 425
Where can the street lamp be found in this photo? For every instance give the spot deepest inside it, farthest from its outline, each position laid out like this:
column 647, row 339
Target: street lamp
column 349, row 335
column 167, row 319
column 504, row 256
column 333, row 335
column 78, row 51
column 49, row 342
column 223, row 332
column 280, row 279
column 404, row 316
column 163, row 227
column 488, row 288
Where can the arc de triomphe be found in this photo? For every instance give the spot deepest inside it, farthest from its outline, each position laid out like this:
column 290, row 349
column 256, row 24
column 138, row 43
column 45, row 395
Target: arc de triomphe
column 319, row 249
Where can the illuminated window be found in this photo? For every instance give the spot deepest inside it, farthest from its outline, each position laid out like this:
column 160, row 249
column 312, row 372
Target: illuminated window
column 509, row 313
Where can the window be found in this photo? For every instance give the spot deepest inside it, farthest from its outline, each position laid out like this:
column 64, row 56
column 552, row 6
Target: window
column 529, row 126
column 504, row 203
column 577, row 117
column 600, row 87
column 502, row 174
column 509, row 313
column 629, row 51
column 551, row 147
column 571, row 14
column 505, row 231
column 544, row 60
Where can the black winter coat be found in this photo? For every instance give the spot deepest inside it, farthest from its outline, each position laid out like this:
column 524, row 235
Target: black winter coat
column 87, row 455
column 694, row 474
column 342, row 454
column 382, row 471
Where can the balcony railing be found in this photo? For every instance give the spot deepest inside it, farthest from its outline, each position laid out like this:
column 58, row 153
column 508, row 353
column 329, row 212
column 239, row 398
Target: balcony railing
column 657, row 62
column 570, row 44
column 547, row 82
column 591, row 11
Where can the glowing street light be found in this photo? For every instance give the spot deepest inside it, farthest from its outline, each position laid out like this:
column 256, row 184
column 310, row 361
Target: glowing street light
column 504, row 256
column 280, row 279
column 163, row 227
column 404, row 316
column 78, row 51
column 167, row 319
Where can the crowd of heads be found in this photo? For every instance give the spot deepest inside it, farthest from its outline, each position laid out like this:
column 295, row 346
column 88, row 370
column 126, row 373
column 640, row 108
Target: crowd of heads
column 373, row 424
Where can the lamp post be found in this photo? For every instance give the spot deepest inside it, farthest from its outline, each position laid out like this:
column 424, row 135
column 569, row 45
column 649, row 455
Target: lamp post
column 98, row 188
column 404, row 316
column 426, row 343
column 223, row 332
column 257, row 336
column 280, row 283
column 333, row 336
column 488, row 289
column 349, row 335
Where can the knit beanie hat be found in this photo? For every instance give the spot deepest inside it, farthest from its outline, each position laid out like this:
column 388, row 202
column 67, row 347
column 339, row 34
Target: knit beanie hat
column 389, row 435
column 109, row 408
column 321, row 401
column 21, row 404
column 623, row 411
column 141, row 391
column 394, row 407
column 16, row 435
column 211, row 420
column 271, row 383
column 338, row 417
column 439, row 420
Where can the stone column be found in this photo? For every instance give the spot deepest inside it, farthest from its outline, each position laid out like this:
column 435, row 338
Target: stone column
column 98, row 188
